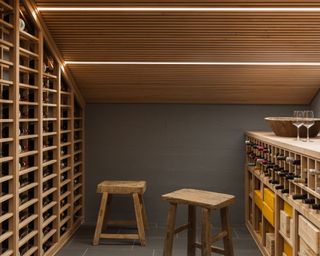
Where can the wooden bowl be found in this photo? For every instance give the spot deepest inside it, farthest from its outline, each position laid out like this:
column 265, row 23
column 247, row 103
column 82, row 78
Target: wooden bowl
column 282, row 126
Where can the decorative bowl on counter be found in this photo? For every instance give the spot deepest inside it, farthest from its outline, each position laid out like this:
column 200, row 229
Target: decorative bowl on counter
column 282, row 126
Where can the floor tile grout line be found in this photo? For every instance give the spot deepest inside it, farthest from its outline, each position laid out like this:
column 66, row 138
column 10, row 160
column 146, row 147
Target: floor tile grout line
column 85, row 252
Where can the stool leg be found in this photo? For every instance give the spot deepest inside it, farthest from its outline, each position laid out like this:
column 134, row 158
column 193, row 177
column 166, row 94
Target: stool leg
column 206, row 233
column 168, row 241
column 106, row 215
column 144, row 213
column 191, row 230
column 100, row 219
column 139, row 218
column 227, row 241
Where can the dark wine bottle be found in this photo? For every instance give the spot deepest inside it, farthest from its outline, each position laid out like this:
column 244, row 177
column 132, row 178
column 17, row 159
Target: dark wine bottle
column 281, row 157
column 309, row 201
column 5, row 131
column 279, row 187
column 285, row 191
column 316, row 206
column 299, row 196
column 5, row 111
column 296, row 162
column 5, row 93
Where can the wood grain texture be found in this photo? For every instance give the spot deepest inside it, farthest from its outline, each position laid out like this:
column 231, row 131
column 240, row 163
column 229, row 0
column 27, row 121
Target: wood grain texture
column 197, row 84
column 201, row 198
column 299, row 147
column 189, row 36
column 234, row 3
column 122, row 187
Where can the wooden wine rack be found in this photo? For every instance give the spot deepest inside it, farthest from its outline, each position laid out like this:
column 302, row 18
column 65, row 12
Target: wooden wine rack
column 41, row 142
column 265, row 157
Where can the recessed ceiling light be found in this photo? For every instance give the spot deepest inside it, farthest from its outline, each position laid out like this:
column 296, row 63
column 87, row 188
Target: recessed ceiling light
column 191, row 63
column 182, row 9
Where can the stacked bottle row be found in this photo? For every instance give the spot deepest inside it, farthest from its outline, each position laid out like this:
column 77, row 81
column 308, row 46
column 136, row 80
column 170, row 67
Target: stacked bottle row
column 282, row 188
column 40, row 167
column 6, row 125
column 290, row 173
column 78, row 163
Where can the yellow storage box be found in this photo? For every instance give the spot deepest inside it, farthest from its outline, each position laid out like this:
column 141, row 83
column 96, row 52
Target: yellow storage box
column 268, row 213
column 288, row 209
column 268, row 198
column 287, row 249
column 258, row 199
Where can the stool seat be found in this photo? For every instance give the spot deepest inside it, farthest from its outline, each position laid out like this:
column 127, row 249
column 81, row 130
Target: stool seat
column 207, row 201
column 122, row 187
column 201, row 198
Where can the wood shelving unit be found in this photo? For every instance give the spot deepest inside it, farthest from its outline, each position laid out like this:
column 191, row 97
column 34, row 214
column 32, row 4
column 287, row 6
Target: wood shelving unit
column 41, row 162
column 282, row 186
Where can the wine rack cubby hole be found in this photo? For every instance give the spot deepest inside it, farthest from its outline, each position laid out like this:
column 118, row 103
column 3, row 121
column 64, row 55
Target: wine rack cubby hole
column 282, row 194
column 41, row 142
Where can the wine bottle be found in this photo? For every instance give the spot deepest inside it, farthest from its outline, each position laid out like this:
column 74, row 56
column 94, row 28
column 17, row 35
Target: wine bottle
column 63, row 177
column 285, row 191
column 316, row 206
column 63, row 202
column 23, row 180
column 23, row 164
column 4, row 169
column 5, row 111
column 63, row 165
column 290, row 176
column 296, row 162
column 46, row 215
column 260, row 148
column 46, row 201
column 309, row 201
column 289, row 159
column 23, row 198
column 281, row 157
column 299, row 196
column 63, row 215
column 46, row 246
column 63, row 229
column 31, row 96
column 5, row 131
column 279, row 187
column 5, row 93
column 46, row 230
column 274, row 182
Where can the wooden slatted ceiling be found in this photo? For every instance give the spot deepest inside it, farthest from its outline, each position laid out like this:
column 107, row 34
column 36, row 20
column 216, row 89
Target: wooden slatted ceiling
column 233, row 3
column 197, row 84
column 190, row 36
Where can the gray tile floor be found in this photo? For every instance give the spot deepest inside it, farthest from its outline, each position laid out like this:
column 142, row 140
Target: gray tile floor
column 81, row 245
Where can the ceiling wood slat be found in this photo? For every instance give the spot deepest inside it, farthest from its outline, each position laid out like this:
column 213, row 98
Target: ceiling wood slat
column 192, row 37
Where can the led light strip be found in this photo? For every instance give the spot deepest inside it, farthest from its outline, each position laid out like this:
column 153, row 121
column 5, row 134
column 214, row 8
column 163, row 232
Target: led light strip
column 191, row 63
column 182, row 9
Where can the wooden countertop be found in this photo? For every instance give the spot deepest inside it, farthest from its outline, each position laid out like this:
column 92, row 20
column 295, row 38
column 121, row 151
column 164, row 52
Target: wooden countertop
column 311, row 149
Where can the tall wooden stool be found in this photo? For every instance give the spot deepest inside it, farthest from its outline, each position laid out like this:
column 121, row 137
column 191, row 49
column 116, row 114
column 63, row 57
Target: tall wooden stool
column 134, row 188
column 207, row 201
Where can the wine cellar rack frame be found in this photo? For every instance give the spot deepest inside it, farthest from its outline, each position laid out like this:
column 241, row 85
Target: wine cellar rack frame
column 42, row 138
column 285, row 174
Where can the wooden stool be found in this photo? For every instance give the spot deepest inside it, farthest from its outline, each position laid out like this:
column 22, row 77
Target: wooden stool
column 207, row 201
column 134, row 188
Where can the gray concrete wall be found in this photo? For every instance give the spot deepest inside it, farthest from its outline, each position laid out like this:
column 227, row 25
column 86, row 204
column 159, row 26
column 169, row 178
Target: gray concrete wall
column 170, row 146
column 315, row 105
